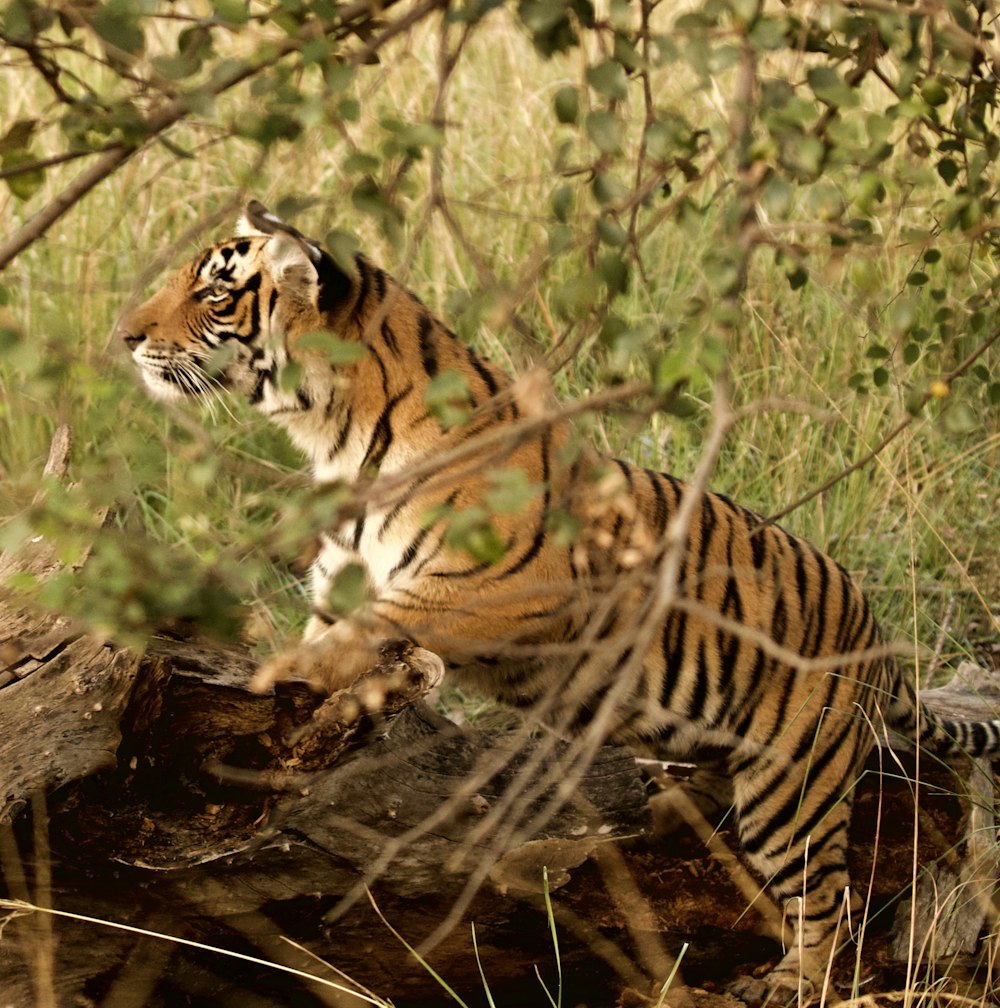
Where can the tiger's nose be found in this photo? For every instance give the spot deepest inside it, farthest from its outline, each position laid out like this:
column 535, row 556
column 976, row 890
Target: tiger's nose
column 131, row 339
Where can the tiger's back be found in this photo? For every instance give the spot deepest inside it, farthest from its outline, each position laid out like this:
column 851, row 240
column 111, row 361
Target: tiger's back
column 729, row 640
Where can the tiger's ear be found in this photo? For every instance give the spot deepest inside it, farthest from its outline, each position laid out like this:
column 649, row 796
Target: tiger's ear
column 290, row 258
column 289, row 249
column 256, row 219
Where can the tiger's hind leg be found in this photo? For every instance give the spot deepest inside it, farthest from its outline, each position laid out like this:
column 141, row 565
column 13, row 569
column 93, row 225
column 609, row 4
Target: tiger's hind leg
column 796, row 839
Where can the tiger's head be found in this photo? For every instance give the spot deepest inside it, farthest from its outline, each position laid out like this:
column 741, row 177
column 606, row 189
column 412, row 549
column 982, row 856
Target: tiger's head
column 230, row 317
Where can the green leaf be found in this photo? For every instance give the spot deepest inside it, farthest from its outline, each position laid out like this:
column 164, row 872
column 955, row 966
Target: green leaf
column 830, row 88
column 823, row 200
column 934, row 91
column 118, row 23
column 567, row 104
column 608, row 188
column 798, row 277
column 776, row 196
column 605, row 129
column 576, row 296
column 960, row 418
column 802, row 155
column 336, row 350
column 560, row 239
column 510, row 491
column 234, row 12
column 343, row 247
column 608, row 78
column 18, row 137
column 448, row 398
column 361, row 163
column 289, row 377
column 610, row 231
column 563, row 201
column 26, row 182
column 472, row 531
column 948, row 170
column 410, row 139
column 614, row 271
column 549, row 24
column 349, row 590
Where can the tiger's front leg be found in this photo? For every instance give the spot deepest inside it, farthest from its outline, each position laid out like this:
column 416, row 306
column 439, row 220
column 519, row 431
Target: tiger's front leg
column 332, row 652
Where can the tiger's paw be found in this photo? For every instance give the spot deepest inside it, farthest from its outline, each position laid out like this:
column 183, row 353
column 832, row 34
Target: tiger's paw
column 773, row 989
column 329, row 662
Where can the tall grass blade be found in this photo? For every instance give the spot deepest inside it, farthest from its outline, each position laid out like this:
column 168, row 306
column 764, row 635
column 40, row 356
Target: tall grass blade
column 416, row 955
column 20, row 906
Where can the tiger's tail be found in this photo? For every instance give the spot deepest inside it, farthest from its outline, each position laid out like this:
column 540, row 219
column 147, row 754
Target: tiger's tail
column 946, row 736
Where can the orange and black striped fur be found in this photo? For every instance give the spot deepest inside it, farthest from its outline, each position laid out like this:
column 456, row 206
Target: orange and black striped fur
column 765, row 660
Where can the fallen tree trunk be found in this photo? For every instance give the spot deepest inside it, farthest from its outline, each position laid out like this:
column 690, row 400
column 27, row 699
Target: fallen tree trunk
column 272, row 834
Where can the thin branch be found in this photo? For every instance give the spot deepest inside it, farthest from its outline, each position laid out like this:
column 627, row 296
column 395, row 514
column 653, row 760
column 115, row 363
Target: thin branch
column 50, row 162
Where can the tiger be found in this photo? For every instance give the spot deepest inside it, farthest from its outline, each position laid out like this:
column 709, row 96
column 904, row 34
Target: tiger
column 729, row 640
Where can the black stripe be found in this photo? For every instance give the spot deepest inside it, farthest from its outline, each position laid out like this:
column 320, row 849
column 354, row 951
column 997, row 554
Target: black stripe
column 359, row 528
column 801, row 574
column 411, row 551
column 404, row 499
column 732, row 603
column 626, row 471
column 538, row 540
column 673, row 652
column 248, row 290
column 660, row 511
column 381, row 280
column 758, row 541
column 381, row 437
column 428, row 353
column 334, row 284
column 481, row 369
column 708, row 523
column 810, row 651
column 389, row 337
column 364, row 283
column 780, row 819
column 751, row 683
column 381, row 366
column 699, row 693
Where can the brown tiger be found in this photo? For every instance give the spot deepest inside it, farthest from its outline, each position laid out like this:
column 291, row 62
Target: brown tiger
column 726, row 664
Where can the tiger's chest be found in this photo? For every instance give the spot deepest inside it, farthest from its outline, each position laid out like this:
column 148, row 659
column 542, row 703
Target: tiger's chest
column 375, row 543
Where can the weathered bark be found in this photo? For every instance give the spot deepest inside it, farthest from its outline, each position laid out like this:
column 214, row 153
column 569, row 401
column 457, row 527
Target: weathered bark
column 157, row 792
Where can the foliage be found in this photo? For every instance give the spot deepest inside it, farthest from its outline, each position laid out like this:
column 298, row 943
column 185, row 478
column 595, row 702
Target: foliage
column 805, row 205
